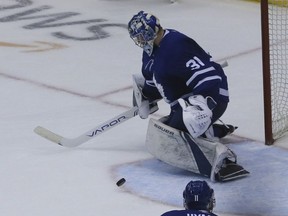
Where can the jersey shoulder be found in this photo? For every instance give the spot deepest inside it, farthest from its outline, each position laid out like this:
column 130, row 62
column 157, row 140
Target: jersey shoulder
column 187, row 213
column 173, row 38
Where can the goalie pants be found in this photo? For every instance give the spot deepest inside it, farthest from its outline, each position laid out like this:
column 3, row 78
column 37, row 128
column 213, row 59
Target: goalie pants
column 175, row 119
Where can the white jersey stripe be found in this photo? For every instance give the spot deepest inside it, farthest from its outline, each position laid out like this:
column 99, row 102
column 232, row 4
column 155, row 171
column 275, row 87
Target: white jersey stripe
column 207, row 79
column 224, row 92
column 198, row 73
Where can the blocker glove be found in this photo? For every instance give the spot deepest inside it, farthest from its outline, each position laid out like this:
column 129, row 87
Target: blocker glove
column 145, row 106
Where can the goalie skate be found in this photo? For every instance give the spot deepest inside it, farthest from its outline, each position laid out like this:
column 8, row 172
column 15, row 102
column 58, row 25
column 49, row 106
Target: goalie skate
column 218, row 131
column 227, row 129
column 230, row 171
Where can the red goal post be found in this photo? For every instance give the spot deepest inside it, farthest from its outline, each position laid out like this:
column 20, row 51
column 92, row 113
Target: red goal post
column 274, row 19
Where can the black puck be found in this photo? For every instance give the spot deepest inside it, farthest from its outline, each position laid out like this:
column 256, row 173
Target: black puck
column 121, row 182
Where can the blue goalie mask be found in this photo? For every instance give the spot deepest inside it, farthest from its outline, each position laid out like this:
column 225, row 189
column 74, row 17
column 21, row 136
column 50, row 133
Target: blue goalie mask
column 143, row 29
column 198, row 195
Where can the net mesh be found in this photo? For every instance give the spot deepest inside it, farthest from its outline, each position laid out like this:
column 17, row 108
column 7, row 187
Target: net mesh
column 278, row 31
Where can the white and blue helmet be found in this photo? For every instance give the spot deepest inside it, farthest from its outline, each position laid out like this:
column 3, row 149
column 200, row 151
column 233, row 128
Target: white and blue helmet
column 143, row 29
column 198, row 195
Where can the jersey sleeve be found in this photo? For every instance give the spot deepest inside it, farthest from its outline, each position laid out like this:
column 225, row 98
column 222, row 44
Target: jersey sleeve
column 149, row 90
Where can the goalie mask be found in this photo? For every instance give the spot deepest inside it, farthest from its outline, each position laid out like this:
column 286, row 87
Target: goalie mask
column 143, row 29
column 198, row 195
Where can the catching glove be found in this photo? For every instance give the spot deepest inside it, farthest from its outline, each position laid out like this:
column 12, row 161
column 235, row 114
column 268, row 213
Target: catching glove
column 196, row 114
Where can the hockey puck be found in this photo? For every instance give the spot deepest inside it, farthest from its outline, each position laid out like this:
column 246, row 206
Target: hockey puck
column 121, row 182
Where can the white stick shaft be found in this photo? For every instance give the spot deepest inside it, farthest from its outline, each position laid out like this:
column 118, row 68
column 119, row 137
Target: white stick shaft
column 119, row 119
column 224, row 64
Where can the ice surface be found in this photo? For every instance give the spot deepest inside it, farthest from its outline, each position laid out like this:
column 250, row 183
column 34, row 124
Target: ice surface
column 57, row 75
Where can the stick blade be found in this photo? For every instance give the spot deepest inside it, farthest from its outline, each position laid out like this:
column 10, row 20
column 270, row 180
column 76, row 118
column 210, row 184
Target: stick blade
column 41, row 131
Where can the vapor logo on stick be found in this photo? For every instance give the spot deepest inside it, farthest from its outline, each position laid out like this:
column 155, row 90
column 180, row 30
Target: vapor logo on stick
column 106, row 126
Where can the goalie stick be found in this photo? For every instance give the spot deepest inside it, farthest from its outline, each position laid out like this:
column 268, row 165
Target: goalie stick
column 113, row 122
column 56, row 138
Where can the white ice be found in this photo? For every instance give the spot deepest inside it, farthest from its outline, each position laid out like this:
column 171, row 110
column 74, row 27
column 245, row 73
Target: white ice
column 72, row 89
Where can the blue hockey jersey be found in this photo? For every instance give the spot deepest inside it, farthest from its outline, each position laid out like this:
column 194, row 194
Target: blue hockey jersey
column 179, row 66
column 188, row 213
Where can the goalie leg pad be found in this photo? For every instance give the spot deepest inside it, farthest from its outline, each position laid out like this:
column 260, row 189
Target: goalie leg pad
column 166, row 144
column 179, row 149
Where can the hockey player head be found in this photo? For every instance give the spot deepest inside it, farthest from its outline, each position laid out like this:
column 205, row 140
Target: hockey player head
column 198, row 195
column 143, row 29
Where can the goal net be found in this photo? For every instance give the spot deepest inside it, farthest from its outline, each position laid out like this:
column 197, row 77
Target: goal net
column 274, row 17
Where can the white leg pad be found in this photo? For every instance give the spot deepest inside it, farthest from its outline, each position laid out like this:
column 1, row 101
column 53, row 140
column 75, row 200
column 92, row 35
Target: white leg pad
column 177, row 148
